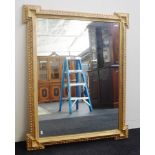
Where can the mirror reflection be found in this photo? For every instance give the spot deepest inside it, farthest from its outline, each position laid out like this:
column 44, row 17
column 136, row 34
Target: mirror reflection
column 78, row 76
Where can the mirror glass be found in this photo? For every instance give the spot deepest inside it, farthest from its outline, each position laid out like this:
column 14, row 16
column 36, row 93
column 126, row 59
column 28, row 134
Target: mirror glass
column 78, row 76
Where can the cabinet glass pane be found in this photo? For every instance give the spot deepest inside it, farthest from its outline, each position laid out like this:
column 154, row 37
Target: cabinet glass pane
column 42, row 70
column 54, row 69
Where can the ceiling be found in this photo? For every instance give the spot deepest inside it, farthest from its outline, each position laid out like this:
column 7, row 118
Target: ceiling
column 65, row 37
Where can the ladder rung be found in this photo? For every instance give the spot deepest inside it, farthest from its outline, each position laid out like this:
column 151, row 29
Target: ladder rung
column 75, row 71
column 75, row 98
column 79, row 98
column 77, row 84
column 65, row 98
column 73, row 58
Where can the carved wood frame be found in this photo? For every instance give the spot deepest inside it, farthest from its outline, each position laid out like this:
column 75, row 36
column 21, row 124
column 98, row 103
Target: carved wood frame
column 30, row 13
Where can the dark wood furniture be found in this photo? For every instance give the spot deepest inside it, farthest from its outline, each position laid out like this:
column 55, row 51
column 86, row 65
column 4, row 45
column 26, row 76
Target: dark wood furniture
column 104, row 71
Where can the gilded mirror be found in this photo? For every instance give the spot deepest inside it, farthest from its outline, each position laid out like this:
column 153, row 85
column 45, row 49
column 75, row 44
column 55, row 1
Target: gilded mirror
column 76, row 76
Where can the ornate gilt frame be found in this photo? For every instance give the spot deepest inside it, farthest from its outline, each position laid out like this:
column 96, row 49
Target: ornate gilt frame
column 30, row 13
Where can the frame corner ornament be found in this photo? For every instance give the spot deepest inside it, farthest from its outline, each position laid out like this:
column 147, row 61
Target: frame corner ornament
column 33, row 144
column 124, row 134
column 124, row 18
column 28, row 11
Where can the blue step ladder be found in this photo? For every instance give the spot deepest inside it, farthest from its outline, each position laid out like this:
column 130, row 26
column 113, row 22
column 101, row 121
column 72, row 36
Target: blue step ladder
column 66, row 74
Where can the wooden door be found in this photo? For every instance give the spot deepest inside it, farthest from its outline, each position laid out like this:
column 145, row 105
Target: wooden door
column 43, row 92
column 54, row 68
column 94, row 88
column 43, row 71
column 54, row 92
column 115, row 81
column 106, row 90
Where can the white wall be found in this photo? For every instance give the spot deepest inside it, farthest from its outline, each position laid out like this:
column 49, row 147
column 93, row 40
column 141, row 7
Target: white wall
column 94, row 6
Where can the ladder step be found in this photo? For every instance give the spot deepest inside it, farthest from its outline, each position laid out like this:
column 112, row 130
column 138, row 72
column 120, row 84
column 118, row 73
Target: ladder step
column 65, row 98
column 75, row 98
column 79, row 98
column 75, row 71
column 77, row 84
column 73, row 58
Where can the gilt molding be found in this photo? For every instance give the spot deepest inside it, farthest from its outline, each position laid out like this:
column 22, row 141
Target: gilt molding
column 30, row 13
column 124, row 133
column 124, row 18
column 33, row 144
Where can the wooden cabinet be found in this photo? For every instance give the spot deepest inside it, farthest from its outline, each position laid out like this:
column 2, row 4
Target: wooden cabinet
column 49, row 78
column 104, row 72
